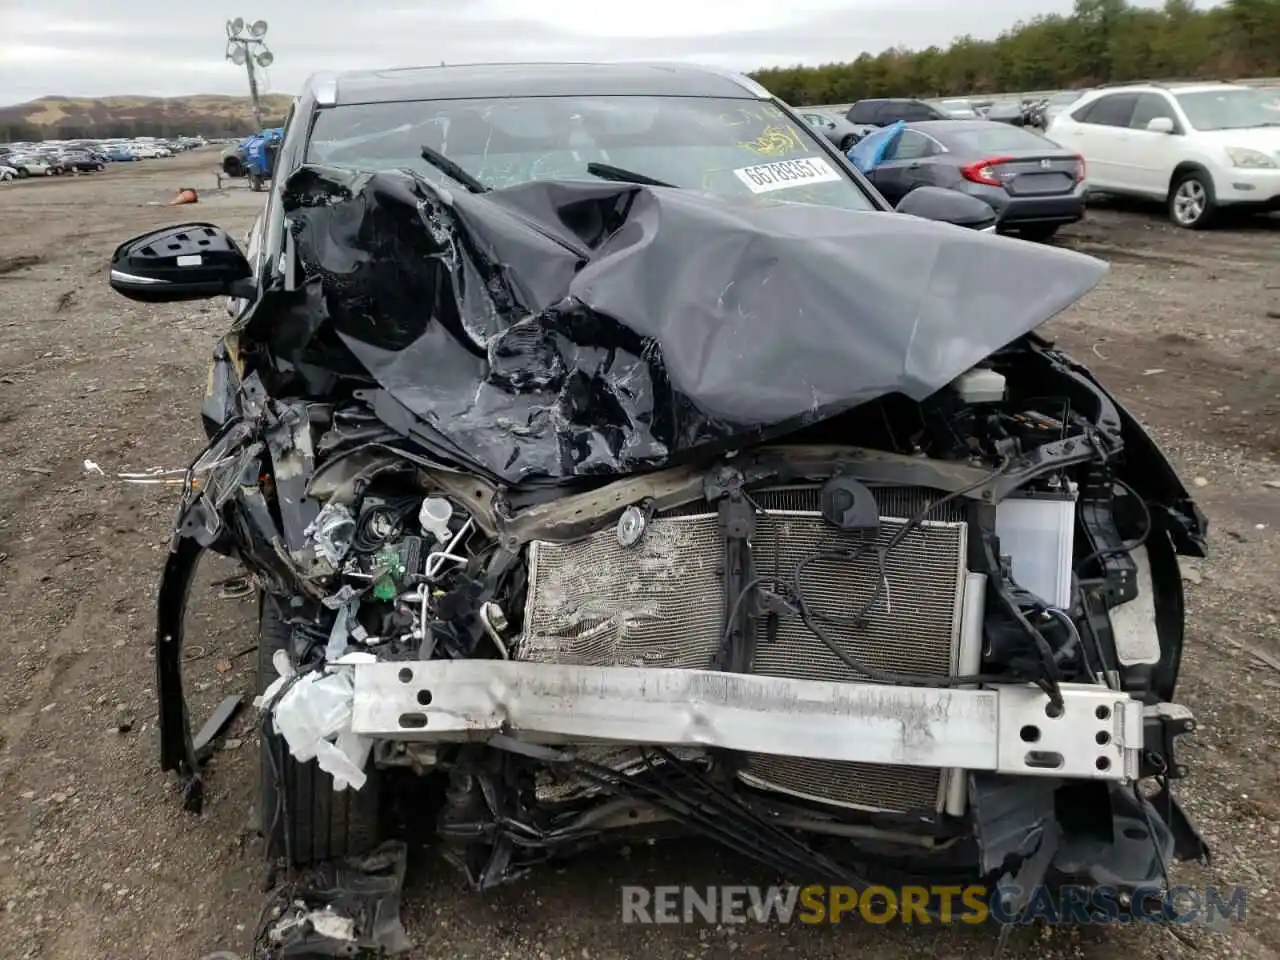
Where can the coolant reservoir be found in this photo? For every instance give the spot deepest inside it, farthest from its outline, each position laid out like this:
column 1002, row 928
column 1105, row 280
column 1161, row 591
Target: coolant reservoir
column 434, row 517
column 979, row 386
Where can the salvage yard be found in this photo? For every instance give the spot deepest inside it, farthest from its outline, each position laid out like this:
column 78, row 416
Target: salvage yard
column 97, row 858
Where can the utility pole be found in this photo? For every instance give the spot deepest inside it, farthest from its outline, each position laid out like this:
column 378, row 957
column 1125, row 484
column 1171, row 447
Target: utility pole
column 246, row 47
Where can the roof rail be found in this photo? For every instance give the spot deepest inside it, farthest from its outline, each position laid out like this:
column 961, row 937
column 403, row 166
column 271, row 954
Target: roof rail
column 1165, row 82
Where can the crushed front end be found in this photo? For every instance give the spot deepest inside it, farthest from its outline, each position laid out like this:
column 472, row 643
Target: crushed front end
column 607, row 576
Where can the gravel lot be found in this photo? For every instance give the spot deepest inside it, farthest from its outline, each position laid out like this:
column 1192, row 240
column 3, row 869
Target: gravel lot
column 97, row 860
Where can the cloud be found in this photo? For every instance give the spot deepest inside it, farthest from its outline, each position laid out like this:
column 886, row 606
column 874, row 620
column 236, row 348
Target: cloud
column 154, row 47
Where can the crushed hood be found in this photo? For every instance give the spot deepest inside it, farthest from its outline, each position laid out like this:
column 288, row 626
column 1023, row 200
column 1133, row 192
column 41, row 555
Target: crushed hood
column 560, row 329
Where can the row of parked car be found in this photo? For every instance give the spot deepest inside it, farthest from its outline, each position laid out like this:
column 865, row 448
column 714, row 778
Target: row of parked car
column 19, row 161
column 1197, row 147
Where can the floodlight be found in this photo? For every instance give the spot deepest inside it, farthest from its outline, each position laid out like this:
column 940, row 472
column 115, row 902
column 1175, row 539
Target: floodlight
column 238, row 56
column 265, row 59
column 259, row 28
column 237, row 25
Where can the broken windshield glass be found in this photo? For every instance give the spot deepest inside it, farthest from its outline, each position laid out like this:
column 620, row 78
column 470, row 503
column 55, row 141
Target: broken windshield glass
column 699, row 143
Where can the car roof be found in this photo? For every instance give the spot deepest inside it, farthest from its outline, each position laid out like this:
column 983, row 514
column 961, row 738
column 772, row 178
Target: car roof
column 943, row 129
column 484, row 80
column 1171, row 86
column 940, row 128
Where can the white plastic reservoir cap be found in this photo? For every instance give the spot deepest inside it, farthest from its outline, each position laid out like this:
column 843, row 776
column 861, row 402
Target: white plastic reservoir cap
column 434, row 517
column 979, row 386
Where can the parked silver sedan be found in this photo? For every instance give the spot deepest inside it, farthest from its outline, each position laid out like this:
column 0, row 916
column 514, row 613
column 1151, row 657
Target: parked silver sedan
column 836, row 129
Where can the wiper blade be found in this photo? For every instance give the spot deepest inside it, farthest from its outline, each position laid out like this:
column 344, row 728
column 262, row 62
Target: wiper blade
column 607, row 171
column 452, row 170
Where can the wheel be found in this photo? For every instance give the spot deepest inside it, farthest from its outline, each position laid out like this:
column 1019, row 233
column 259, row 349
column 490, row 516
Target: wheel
column 23, row 173
column 1038, row 232
column 100, row 167
column 232, row 167
column 256, row 182
column 322, row 824
column 1191, row 201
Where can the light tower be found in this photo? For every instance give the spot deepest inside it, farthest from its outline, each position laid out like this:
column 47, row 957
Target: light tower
column 245, row 47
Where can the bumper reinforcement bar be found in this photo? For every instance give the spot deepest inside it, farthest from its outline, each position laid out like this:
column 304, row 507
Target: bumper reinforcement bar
column 1007, row 729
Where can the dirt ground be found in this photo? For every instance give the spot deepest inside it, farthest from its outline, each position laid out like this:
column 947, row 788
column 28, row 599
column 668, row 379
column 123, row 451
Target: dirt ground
column 97, row 859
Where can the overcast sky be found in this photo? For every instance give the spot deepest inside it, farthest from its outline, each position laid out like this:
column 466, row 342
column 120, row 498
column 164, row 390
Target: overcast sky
column 153, row 47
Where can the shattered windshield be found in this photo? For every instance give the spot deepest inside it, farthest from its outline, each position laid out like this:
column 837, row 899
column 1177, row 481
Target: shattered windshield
column 723, row 146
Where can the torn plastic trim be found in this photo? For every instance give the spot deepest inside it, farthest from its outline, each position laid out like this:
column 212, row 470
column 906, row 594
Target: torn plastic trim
column 312, row 712
column 1147, row 468
column 343, row 908
column 293, row 462
column 177, row 750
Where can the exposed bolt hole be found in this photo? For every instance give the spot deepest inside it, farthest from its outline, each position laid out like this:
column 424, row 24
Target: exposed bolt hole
column 1102, row 763
column 413, row 721
column 424, row 697
column 406, row 675
column 1043, row 760
column 1103, row 738
column 1103, row 713
column 1029, row 734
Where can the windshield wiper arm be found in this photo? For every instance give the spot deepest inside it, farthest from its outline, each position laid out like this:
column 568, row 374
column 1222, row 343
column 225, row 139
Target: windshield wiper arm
column 606, row 171
column 451, row 169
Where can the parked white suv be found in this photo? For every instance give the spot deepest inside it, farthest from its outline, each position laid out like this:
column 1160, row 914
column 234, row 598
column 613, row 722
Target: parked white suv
column 1197, row 146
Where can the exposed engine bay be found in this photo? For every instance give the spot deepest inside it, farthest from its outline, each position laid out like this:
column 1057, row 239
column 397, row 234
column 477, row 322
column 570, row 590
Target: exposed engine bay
column 902, row 636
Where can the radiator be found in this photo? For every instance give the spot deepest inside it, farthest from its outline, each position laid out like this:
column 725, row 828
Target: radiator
column 661, row 602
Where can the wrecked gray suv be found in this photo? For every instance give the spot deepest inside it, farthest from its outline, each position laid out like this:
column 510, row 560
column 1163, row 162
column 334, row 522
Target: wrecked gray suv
column 613, row 455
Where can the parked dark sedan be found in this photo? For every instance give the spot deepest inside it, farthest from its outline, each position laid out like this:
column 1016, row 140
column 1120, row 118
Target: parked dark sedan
column 79, row 161
column 1007, row 111
column 838, row 130
column 1034, row 185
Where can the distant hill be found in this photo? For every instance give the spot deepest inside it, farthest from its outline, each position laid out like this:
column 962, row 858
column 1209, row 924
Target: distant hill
column 70, row 118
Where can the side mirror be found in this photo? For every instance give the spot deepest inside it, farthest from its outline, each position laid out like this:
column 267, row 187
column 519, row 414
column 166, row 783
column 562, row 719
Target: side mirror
column 1160, row 125
column 192, row 261
column 948, row 206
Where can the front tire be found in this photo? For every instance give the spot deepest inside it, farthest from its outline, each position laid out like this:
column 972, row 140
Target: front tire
column 297, row 802
column 1192, row 204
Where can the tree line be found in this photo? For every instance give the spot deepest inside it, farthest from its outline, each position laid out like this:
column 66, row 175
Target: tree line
column 1101, row 41
column 22, row 131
